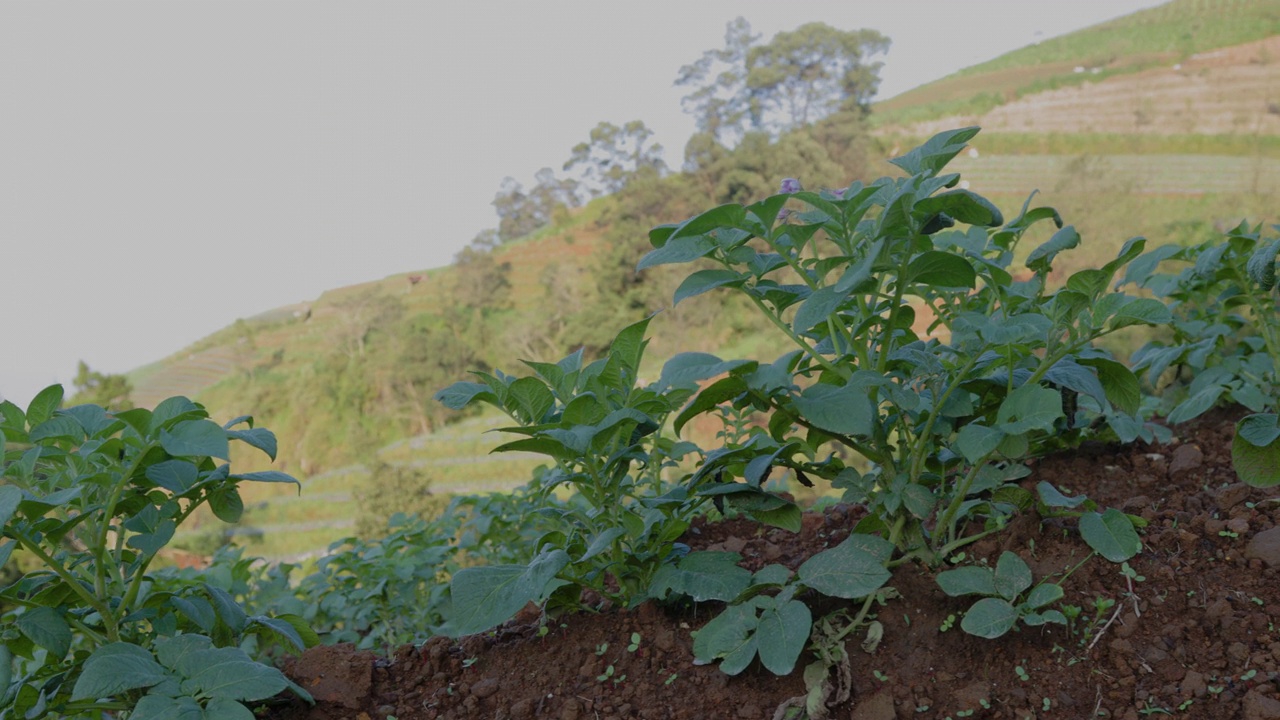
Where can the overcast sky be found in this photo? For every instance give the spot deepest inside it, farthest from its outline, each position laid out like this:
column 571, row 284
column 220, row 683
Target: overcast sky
column 166, row 168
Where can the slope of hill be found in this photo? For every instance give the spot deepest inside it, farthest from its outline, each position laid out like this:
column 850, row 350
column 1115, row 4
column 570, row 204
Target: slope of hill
column 1164, row 123
column 1161, row 36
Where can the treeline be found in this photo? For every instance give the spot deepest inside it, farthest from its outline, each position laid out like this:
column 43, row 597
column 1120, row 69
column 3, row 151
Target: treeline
column 793, row 107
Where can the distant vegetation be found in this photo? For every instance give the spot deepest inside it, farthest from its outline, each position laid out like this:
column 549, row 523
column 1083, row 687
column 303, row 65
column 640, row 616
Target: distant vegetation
column 354, row 370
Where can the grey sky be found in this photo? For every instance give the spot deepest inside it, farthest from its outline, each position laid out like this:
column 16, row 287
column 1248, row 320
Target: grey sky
column 166, row 168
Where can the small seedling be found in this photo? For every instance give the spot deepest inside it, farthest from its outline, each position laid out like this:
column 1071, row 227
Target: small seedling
column 602, row 648
column 1228, row 534
column 948, row 623
column 671, row 678
column 468, row 662
column 1022, row 673
column 1249, row 675
column 880, row 676
column 1130, row 573
column 635, row 642
column 607, row 674
column 1046, row 703
column 1185, row 704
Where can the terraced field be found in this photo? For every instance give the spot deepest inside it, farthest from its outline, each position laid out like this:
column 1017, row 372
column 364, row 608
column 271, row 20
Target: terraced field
column 1143, row 174
column 280, row 524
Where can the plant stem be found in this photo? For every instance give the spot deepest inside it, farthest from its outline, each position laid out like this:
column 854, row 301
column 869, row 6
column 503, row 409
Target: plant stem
column 808, row 349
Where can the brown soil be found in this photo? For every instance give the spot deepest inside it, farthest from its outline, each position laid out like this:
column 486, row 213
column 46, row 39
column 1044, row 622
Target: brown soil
column 1195, row 638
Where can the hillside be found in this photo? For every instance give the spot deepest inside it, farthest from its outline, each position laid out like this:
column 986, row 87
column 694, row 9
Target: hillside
column 1165, row 123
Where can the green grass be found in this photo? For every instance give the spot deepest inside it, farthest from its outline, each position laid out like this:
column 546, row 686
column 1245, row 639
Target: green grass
column 1145, row 39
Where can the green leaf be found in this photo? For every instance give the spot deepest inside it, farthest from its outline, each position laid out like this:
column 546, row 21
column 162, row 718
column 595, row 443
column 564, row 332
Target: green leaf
column 46, row 627
column 1072, row 375
column 686, row 369
column 1030, row 407
column 1052, row 497
column 839, row 409
column 229, row 611
column 941, row 269
column 10, row 497
column 43, row 405
column 989, row 618
column 976, row 441
column 267, row 476
column 705, row 280
column 1119, row 383
column 176, row 476
column 702, row 575
column 782, row 634
column 196, row 438
column 817, row 308
column 1012, row 576
column 717, row 392
column 936, row 152
column 486, row 596
column 1196, row 405
column 1255, row 450
column 461, row 394
column 847, row 570
column 968, row 580
column 1040, row 260
column 677, row 250
column 1110, row 534
column 530, row 398
column 729, row 636
column 966, row 207
column 6, row 550
column 1262, row 264
column 1141, row 311
column 172, row 409
column 629, row 345
column 229, row 674
column 116, row 668
column 260, row 438
column 226, row 504
column 1043, row 594
column 786, row 516
column 58, row 427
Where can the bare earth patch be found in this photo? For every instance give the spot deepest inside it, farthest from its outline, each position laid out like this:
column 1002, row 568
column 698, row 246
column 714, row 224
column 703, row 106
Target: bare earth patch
column 1195, row 637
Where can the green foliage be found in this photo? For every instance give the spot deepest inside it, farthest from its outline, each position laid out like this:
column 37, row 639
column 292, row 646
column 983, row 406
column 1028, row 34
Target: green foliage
column 600, row 428
column 394, row 489
column 943, row 420
column 1005, row 603
column 614, row 155
column 95, row 496
column 1225, row 338
column 95, row 388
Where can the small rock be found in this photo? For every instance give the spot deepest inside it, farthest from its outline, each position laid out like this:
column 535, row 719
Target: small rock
column 1260, row 707
column 571, row 710
column 485, row 688
column 1265, row 546
column 1232, row 495
column 1193, row 684
column 1185, row 458
column 1239, row 526
column 522, row 709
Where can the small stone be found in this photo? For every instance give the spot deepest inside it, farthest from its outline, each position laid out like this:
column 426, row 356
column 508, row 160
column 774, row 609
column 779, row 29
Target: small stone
column 1265, row 546
column 1185, row 458
column 1239, row 525
column 1232, row 495
column 1260, row 707
column 522, row 709
column 1194, row 685
column 485, row 688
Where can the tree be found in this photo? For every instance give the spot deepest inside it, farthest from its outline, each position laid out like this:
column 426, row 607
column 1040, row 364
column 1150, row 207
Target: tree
column 613, row 156
column 719, row 102
column 520, row 212
column 808, row 73
column 798, row 78
column 95, row 388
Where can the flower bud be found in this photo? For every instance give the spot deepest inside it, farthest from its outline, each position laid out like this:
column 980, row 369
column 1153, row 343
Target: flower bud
column 790, row 185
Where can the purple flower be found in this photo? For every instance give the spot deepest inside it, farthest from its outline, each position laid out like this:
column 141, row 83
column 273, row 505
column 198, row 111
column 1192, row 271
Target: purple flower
column 783, row 214
column 790, row 185
column 838, row 193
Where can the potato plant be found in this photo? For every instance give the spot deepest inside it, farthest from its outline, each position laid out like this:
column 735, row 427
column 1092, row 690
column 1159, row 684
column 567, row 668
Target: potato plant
column 941, row 419
column 92, row 497
column 1225, row 338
